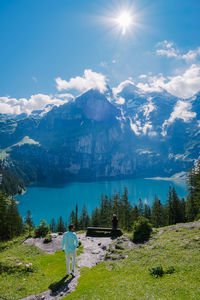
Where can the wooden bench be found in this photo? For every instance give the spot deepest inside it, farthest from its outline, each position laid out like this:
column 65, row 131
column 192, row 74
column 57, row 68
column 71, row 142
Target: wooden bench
column 92, row 230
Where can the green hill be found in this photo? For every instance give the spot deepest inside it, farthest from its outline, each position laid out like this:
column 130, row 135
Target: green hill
column 177, row 246
column 125, row 278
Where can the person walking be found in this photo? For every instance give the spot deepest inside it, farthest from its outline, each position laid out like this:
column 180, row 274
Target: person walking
column 69, row 245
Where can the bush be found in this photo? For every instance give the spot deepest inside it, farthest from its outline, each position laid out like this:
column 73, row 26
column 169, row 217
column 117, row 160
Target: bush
column 156, row 271
column 197, row 218
column 170, row 270
column 19, row 268
column 42, row 230
column 141, row 230
column 119, row 247
column 47, row 239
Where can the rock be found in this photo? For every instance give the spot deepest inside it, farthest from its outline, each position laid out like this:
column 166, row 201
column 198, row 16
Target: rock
column 103, row 247
column 53, row 235
column 99, row 244
column 95, row 252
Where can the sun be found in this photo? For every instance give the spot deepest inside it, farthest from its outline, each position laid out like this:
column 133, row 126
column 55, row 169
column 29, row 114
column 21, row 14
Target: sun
column 124, row 21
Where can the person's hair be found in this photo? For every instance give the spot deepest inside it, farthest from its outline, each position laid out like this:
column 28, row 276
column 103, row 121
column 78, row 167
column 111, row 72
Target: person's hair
column 71, row 226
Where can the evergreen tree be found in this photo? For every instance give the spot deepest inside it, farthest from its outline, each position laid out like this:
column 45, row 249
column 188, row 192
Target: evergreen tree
column 3, row 216
column 157, row 215
column 126, row 211
column 53, row 226
column 28, row 220
column 105, row 211
column 72, row 217
column 76, row 223
column 135, row 213
column 115, row 204
column 95, row 218
column 11, row 223
column 61, row 225
column 193, row 198
column 183, row 210
column 84, row 218
column 140, row 207
column 14, row 220
column 173, row 207
column 41, row 230
column 147, row 211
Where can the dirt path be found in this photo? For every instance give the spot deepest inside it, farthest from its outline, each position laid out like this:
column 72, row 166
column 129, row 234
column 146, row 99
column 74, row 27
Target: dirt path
column 93, row 253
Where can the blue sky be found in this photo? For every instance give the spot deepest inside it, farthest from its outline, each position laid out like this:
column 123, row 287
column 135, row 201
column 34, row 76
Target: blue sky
column 42, row 40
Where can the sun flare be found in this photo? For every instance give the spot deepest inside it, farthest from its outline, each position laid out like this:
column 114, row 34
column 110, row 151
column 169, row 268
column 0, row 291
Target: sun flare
column 124, row 21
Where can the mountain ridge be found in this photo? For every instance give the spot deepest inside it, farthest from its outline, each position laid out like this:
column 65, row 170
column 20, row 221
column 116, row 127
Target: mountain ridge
column 94, row 137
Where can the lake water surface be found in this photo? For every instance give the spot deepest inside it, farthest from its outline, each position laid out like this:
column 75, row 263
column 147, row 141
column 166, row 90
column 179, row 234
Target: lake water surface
column 48, row 203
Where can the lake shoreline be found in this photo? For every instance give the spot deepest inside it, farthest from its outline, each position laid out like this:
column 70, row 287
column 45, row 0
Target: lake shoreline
column 47, row 203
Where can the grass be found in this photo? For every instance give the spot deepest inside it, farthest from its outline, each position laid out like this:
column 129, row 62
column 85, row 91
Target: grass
column 29, row 269
column 130, row 278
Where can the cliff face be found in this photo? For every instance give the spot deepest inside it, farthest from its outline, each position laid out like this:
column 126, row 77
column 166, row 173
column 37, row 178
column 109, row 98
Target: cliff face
column 93, row 138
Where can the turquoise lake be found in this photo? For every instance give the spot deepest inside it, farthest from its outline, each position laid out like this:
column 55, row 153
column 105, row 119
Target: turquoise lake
column 47, row 203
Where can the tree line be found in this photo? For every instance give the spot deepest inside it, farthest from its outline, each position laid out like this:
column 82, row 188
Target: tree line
column 175, row 210
column 11, row 223
column 172, row 212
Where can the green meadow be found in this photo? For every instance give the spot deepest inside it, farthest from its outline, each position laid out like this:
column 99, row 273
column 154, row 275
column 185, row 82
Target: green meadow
column 28, row 270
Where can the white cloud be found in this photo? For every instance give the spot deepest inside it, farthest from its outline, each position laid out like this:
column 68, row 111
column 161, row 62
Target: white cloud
column 142, row 76
column 120, row 100
column 103, row 64
column 167, row 49
column 65, row 96
column 168, row 52
column 119, row 88
column 191, row 54
column 35, row 102
column 165, row 44
column 182, row 110
column 140, row 129
column 147, row 109
column 89, row 80
column 154, row 84
column 184, row 85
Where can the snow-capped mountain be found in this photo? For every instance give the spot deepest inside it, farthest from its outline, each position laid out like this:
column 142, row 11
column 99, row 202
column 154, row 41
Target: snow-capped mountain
column 121, row 133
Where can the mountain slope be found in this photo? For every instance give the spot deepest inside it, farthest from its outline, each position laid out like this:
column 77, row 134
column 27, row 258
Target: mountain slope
column 149, row 134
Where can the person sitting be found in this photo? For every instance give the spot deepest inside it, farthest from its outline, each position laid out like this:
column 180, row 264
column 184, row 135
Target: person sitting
column 69, row 245
column 114, row 222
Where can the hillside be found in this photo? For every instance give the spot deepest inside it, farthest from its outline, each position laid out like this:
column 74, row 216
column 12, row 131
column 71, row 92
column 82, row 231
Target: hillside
column 125, row 274
column 10, row 183
column 95, row 136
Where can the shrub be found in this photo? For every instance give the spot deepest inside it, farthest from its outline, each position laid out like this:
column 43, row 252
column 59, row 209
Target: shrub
column 170, row 270
column 141, row 230
column 119, row 247
column 42, row 230
column 19, row 268
column 156, row 271
column 47, row 239
column 197, row 218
